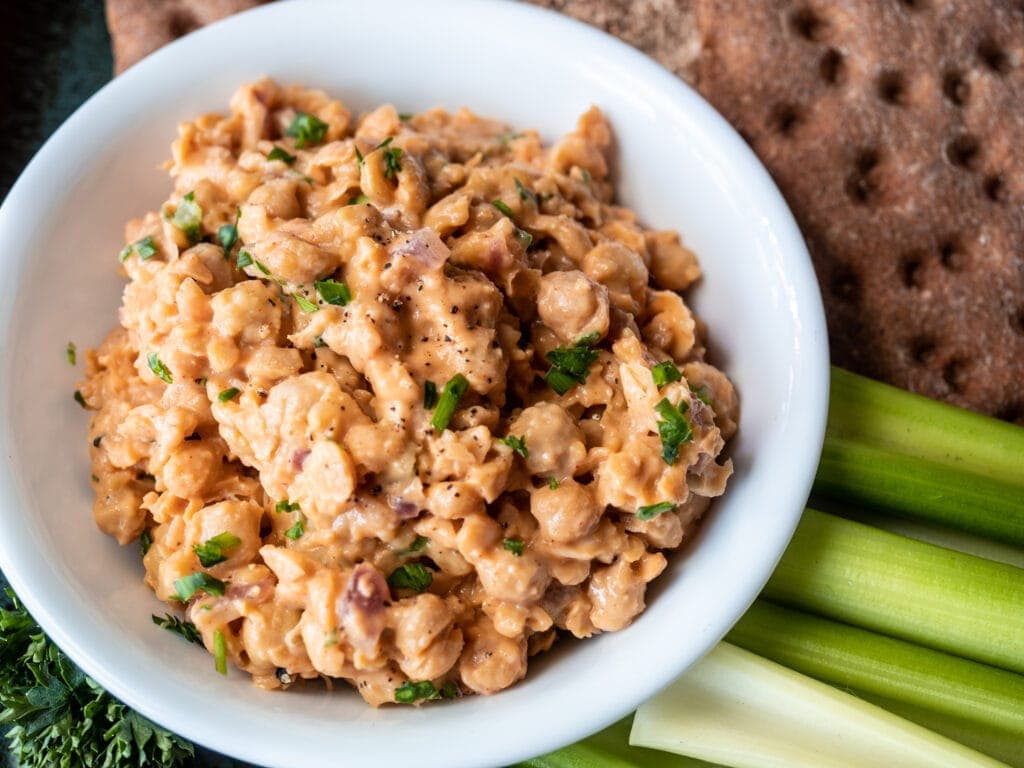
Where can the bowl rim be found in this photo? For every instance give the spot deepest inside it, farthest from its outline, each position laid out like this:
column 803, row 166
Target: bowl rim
column 808, row 421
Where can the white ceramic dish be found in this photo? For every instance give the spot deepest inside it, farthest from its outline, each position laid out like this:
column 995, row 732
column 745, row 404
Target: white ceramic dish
column 680, row 166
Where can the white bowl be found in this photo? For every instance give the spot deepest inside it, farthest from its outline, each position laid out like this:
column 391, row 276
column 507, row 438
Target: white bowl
column 680, row 165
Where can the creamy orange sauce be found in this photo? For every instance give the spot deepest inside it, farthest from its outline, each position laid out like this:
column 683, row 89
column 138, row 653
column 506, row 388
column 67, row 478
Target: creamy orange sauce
column 236, row 402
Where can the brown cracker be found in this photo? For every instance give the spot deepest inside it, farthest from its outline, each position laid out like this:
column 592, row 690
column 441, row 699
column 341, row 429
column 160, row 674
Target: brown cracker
column 894, row 129
column 139, row 27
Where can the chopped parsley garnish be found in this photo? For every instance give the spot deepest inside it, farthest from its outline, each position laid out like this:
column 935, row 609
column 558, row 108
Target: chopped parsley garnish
column 306, row 129
column 653, row 510
column 413, row 576
column 429, row 394
column 305, row 304
column 228, row 394
column 297, row 530
column 505, row 138
column 145, row 248
column 515, row 546
column 553, row 483
column 185, row 629
column 244, row 259
column 358, row 199
column 262, row 268
column 586, row 176
column 72, row 353
column 220, row 653
column 188, row 217
column 145, row 541
column 286, row 506
column 501, row 206
column 359, row 156
column 79, row 398
column 333, row 292
column 392, row 157
column 665, row 373
column 418, row 545
column 279, row 154
column 410, row 692
column 213, row 550
column 406, row 116
column 227, row 235
column 159, row 369
column 703, row 394
column 448, row 400
column 571, row 365
column 318, row 342
column 673, row 428
column 524, row 237
column 526, row 194
column 187, row 586
column 517, row 444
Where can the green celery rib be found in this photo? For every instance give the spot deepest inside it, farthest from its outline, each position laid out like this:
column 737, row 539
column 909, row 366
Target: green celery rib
column 610, row 748
column 994, row 742
column 868, row 411
column 917, row 457
column 936, row 597
column 870, row 476
column 850, row 657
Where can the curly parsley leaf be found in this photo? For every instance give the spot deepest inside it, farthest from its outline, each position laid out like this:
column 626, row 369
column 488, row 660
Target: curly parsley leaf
column 185, row 629
column 413, row 576
column 673, row 428
column 306, row 129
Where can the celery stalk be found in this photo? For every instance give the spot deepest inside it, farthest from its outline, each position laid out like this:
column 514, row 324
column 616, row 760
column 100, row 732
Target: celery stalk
column 850, row 657
column 920, row 458
column 740, row 710
column 936, row 597
column 610, row 749
column 993, row 742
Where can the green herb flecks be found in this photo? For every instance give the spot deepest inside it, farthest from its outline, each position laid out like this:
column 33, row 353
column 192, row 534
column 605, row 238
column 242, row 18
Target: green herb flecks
column 521, row 235
column 220, row 653
column 665, row 373
column 279, row 154
column 517, row 444
column 703, row 394
column 305, row 304
column 515, row 546
column 159, row 369
column 188, row 217
column 145, row 249
column 227, row 235
column 358, row 199
column 653, row 510
column 448, row 400
column 145, row 541
column 228, row 394
column 526, row 194
column 185, row 629
column 429, row 395
column 553, row 483
column 418, row 545
column 411, row 692
column 298, row 529
column 571, row 365
column 333, row 292
column 673, row 427
column 412, row 576
column 214, row 550
column 286, row 506
column 187, row 586
column 244, row 259
column 306, row 129
column 72, row 353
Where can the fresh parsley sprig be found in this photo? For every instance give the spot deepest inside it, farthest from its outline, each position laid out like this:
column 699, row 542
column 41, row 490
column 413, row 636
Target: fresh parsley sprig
column 571, row 365
column 673, row 428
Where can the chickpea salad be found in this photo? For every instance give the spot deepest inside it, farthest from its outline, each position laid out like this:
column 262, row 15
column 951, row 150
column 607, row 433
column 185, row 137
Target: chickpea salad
column 399, row 399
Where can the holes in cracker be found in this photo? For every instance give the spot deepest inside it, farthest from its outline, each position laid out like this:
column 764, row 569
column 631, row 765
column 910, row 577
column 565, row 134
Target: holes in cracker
column 922, row 350
column 831, row 66
column 952, row 254
column 845, row 283
column 994, row 187
column 891, row 87
column 861, row 185
column 993, row 56
column 962, row 151
column 806, row 23
column 911, row 269
column 955, row 374
column 955, row 88
column 784, row 118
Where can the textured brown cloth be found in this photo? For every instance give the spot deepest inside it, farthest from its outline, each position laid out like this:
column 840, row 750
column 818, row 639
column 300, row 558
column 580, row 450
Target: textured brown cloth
column 893, row 128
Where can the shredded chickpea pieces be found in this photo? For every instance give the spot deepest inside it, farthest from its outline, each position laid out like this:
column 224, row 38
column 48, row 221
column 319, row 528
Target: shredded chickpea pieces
column 467, row 250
